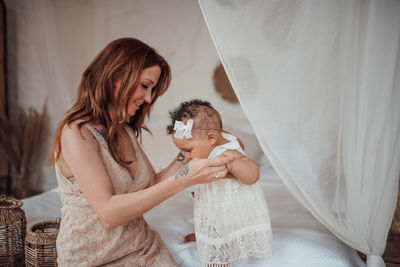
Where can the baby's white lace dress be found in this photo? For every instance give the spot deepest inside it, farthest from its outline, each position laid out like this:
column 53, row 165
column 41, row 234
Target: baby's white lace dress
column 231, row 218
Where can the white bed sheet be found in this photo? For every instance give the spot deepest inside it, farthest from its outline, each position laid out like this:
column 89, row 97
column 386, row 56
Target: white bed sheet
column 298, row 238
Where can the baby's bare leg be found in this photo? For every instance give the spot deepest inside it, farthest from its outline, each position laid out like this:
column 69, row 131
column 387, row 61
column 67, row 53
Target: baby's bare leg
column 189, row 238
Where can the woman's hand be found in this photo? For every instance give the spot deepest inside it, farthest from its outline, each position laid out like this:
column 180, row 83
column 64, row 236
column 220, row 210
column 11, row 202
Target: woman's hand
column 200, row 171
column 233, row 154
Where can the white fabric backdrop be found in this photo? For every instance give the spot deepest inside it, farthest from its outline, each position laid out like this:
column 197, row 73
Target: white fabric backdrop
column 320, row 84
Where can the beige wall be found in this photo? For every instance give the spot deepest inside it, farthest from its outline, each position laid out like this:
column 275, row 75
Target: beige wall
column 51, row 43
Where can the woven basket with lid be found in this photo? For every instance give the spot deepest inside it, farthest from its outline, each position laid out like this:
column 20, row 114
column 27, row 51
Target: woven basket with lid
column 40, row 244
column 12, row 232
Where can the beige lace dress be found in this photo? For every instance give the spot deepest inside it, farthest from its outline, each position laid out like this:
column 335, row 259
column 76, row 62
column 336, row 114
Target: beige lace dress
column 83, row 240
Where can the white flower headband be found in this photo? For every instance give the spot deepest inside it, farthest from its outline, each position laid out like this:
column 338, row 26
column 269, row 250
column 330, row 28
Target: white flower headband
column 182, row 130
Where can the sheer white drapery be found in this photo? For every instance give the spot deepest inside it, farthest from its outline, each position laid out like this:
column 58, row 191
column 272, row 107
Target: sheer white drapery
column 320, row 83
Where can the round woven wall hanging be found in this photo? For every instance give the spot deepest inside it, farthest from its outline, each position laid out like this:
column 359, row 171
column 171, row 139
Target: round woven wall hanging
column 223, row 86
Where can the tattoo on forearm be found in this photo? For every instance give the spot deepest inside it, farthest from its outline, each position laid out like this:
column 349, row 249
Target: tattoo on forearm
column 182, row 171
column 180, row 157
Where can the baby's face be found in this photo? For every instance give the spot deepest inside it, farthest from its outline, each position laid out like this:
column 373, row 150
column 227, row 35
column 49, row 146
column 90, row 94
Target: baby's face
column 195, row 147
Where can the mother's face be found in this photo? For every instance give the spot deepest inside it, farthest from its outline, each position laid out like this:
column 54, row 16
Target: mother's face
column 148, row 81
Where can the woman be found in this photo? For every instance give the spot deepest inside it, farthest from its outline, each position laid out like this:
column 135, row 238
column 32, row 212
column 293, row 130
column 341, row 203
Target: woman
column 106, row 181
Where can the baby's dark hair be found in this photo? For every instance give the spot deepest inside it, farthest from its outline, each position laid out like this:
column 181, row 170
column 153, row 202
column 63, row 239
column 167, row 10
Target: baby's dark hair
column 202, row 112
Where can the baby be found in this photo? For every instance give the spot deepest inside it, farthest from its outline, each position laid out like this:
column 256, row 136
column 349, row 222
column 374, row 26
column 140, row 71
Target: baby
column 231, row 217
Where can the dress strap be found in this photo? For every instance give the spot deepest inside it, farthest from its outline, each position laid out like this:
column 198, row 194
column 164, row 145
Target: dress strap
column 97, row 135
column 139, row 156
column 233, row 144
column 143, row 171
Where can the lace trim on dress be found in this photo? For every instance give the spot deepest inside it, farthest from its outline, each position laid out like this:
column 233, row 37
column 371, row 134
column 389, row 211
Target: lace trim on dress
column 142, row 170
column 102, row 140
column 239, row 250
column 228, row 238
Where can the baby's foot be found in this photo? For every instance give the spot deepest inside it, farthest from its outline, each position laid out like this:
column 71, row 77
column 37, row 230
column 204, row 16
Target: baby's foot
column 190, row 238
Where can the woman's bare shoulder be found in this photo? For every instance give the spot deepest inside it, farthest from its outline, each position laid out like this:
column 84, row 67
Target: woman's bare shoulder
column 74, row 140
column 76, row 137
column 72, row 131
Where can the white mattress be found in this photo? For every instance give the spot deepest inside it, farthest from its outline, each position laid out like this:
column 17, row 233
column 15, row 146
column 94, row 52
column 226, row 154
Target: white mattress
column 298, row 239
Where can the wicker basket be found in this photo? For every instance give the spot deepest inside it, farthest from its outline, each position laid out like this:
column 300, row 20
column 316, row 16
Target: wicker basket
column 12, row 232
column 40, row 244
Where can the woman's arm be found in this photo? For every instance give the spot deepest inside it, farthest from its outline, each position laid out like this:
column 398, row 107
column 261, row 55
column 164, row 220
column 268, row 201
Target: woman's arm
column 81, row 155
column 172, row 168
column 242, row 168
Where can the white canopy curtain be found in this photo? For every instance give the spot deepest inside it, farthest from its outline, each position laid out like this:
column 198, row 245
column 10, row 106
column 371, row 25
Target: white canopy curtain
column 320, row 84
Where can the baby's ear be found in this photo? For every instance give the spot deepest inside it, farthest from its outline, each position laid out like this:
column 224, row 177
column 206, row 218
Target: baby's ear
column 212, row 138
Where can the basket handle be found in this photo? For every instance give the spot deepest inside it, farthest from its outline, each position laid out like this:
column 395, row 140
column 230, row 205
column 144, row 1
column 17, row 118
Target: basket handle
column 15, row 203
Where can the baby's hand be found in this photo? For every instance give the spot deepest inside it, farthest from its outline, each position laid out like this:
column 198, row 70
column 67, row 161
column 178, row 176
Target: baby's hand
column 233, row 154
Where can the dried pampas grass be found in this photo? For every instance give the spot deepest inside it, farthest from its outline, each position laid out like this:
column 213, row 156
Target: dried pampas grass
column 21, row 141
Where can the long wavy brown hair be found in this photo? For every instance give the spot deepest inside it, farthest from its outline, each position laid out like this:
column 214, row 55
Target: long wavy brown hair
column 122, row 60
